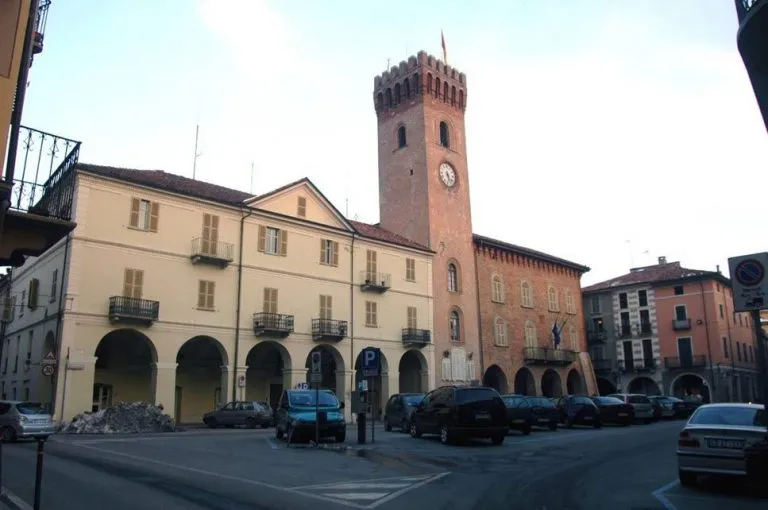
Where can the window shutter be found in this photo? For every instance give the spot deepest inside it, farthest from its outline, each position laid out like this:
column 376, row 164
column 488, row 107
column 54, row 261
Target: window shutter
column 134, row 218
column 267, row 295
column 201, row 292
column 128, row 283
column 302, row 207
column 209, row 303
column 214, row 229
column 283, row 243
column 138, row 283
column 154, row 216
column 262, row 238
column 323, row 251
column 335, row 253
column 34, row 286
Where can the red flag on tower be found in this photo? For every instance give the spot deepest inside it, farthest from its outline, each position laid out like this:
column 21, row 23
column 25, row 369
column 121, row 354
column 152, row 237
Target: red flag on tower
column 445, row 52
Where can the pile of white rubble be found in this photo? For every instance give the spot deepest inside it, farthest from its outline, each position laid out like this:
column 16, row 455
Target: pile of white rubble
column 121, row 418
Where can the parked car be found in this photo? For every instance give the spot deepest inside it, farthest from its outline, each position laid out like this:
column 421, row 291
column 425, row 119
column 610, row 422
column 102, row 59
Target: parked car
column 613, row 410
column 459, row 412
column 578, row 410
column 715, row 437
column 398, row 410
column 641, row 403
column 544, row 412
column 690, row 404
column 250, row 413
column 519, row 413
column 300, row 412
column 669, row 407
column 23, row 420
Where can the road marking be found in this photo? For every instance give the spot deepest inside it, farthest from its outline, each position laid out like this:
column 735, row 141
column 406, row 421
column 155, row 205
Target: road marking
column 662, row 498
column 13, row 500
column 272, row 444
column 169, row 435
column 360, row 496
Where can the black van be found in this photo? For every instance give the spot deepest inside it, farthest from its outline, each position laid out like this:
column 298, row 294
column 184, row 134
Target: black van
column 459, row 412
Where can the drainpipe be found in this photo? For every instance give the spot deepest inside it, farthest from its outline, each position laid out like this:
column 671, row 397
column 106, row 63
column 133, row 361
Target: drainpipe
column 479, row 319
column 352, row 316
column 57, row 336
column 730, row 347
column 239, row 300
column 709, row 343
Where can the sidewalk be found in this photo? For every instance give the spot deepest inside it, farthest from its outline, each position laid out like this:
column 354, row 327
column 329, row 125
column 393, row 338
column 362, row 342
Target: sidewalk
column 10, row 501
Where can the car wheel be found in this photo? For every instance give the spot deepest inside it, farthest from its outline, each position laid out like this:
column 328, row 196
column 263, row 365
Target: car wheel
column 568, row 423
column 210, row 422
column 649, row 421
column 598, row 425
column 414, row 429
column 498, row 439
column 404, row 425
column 445, row 434
column 250, row 423
column 278, row 433
column 687, row 479
column 8, row 435
column 341, row 436
column 527, row 430
column 387, row 425
column 265, row 424
column 553, row 425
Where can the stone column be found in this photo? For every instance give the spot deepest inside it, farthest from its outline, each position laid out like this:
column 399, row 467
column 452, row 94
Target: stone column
column 241, row 374
column 226, row 385
column 164, row 386
column 344, row 391
column 76, row 386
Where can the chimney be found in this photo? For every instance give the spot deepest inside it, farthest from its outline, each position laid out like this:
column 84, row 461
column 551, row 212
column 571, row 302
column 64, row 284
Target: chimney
column 662, row 261
column 717, row 268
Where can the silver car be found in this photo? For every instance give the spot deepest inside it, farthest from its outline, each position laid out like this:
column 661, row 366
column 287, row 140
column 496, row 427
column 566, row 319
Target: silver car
column 641, row 403
column 24, row 419
column 714, row 439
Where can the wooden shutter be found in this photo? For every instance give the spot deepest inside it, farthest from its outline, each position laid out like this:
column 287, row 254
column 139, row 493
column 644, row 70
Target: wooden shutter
column 283, row 243
column 202, row 291
column 206, row 239
column 154, row 216
column 324, row 258
column 134, row 217
column 301, row 210
column 410, row 270
column 370, row 264
column 270, row 300
column 132, row 283
column 335, row 259
column 262, row 238
column 412, row 319
column 34, row 290
column 326, row 307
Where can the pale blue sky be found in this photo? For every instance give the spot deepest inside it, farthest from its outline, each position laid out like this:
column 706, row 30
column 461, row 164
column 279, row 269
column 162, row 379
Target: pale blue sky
column 589, row 122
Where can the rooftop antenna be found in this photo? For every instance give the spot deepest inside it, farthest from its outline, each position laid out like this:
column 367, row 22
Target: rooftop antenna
column 251, row 177
column 197, row 154
column 388, row 59
column 445, row 52
column 346, row 208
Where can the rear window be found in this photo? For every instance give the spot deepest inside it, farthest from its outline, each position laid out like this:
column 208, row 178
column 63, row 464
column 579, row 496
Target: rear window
column 608, row 400
column 30, row 408
column 735, row 416
column 466, row 396
column 639, row 399
column 412, row 400
column 541, row 402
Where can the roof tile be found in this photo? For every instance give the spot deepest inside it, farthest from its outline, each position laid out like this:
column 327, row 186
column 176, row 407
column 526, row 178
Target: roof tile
column 650, row 275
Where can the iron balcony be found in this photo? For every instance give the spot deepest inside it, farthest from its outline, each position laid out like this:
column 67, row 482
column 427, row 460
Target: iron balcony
column 416, row 337
column 375, row 282
column 681, row 324
column 646, row 328
column 624, row 331
column 677, row 363
column 596, row 337
column 272, row 324
column 329, row 329
column 548, row 356
column 646, row 365
column 215, row 253
column 132, row 310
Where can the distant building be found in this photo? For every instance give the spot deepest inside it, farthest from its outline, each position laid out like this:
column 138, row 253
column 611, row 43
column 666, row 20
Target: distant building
column 665, row 329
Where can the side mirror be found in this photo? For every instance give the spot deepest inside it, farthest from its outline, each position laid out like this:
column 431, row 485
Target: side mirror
column 341, row 405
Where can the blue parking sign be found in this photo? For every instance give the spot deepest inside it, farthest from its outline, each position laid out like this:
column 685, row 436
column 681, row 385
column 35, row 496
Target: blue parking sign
column 370, row 362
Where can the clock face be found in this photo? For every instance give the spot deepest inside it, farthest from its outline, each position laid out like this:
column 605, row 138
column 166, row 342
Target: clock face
column 447, row 175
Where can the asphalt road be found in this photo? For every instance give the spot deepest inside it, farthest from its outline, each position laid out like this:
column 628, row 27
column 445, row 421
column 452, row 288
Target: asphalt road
column 614, row 468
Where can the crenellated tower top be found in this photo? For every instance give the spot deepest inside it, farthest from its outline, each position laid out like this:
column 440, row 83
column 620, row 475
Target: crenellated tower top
column 414, row 80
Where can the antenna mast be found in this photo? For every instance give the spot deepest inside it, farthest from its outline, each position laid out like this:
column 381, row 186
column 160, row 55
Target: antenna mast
column 251, row 177
column 197, row 154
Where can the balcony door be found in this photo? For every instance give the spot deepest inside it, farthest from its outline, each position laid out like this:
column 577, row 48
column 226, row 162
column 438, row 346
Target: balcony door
column 210, row 234
column 629, row 356
column 685, row 351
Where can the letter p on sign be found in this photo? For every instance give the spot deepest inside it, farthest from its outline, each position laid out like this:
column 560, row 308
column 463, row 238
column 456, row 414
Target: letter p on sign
column 370, row 357
column 316, row 362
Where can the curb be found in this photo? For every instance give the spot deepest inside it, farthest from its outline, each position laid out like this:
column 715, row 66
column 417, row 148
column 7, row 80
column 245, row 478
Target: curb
column 13, row 501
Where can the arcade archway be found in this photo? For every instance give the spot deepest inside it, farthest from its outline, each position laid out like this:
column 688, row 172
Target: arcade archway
column 414, row 371
column 199, row 378
column 575, row 384
column 332, row 369
column 525, row 384
column 644, row 386
column 378, row 385
column 690, row 385
column 494, row 378
column 551, row 384
column 268, row 365
column 605, row 387
column 124, row 369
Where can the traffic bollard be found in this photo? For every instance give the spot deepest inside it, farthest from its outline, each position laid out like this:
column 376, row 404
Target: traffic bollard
column 39, row 472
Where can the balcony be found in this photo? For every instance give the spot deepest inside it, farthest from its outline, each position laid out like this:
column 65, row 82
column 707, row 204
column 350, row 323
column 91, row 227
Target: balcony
column 646, row 328
column 624, row 331
column 214, row 253
column 677, row 363
column 328, row 330
column 375, row 282
column 681, row 324
column 272, row 324
column 416, row 337
column 596, row 337
column 548, row 356
column 39, row 186
column 603, row 365
column 647, row 365
column 128, row 310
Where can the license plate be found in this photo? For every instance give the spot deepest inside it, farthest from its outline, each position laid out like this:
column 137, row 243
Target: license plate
column 623, row 414
column 482, row 416
column 728, row 444
column 518, row 421
column 587, row 418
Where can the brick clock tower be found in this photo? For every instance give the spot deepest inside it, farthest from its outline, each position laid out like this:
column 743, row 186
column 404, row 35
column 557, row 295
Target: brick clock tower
column 424, row 196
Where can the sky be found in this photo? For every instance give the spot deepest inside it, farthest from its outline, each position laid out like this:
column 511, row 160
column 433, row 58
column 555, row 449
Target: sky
column 604, row 132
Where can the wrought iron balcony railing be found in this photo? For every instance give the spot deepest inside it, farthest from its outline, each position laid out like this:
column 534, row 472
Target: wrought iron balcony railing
column 635, row 365
column 375, row 282
column 329, row 329
column 681, row 324
column 217, row 253
column 416, row 337
column 548, row 356
column 274, row 324
column 43, row 178
column 676, row 362
column 126, row 309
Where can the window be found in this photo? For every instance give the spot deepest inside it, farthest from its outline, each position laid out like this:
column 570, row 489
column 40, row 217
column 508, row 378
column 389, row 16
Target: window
column 301, row 207
column 623, row 304
column 370, row 266
column 722, row 312
column 453, row 278
column 725, row 347
column 445, row 139
column 23, row 301
column 54, row 285
column 144, row 215
column 526, row 294
column 497, row 290
column 329, row 252
column 413, row 322
column 500, row 332
column 645, row 322
column 410, row 270
column 679, row 291
column 642, row 297
column 554, row 305
column 205, row 295
column 680, row 313
column 326, row 307
column 530, row 334
column 16, row 360
column 371, row 315
column 738, row 351
column 34, row 291
column 455, row 323
column 570, row 306
column 273, row 241
column 270, row 300
column 133, row 281
column 210, row 237
column 401, row 141
column 595, row 304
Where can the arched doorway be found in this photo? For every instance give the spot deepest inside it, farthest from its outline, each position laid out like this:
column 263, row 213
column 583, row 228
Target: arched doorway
column 551, row 384
column 124, row 359
column 199, row 378
column 688, row 385
column 414, row 371
column 644, row 386
column 268, row 364
column 494, row 377
column 379, row 386
column 605, row 387
column 525, row 383
column 574, row 383
column 332, row 369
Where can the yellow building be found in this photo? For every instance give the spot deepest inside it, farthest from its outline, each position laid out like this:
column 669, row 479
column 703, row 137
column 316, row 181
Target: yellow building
column 188, row 294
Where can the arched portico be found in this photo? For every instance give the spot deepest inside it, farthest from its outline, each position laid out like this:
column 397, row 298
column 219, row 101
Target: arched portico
column 378, row 385
column 644, row 386
column 525, row 384
column 551, row 384
column 687, row 385
column 201, row 378
column 269, row 365
column 332, row 369
column 494, row 378
column 574, row 382
column 124, row 372
column 605, row 387
column 413, row 372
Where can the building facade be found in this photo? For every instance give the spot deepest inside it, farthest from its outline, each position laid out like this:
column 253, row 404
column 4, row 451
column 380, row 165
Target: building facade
column 752, row 39
column 665, row 329
column 186, row 294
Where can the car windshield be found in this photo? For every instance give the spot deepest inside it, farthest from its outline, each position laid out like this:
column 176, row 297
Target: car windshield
column 412, row 400
column 30, row 408
column 307, row 399
column 607, row 400
column 515, row 402
column 541, row 402
column 467, row 395
column 730, row 415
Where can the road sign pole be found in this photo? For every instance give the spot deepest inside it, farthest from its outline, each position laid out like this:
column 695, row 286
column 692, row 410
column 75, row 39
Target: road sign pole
column 762, row 358
column 372, row 393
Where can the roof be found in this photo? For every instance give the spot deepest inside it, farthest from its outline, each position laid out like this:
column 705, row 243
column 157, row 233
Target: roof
column 181, row 185
column 527, row 252
column 657, row 274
